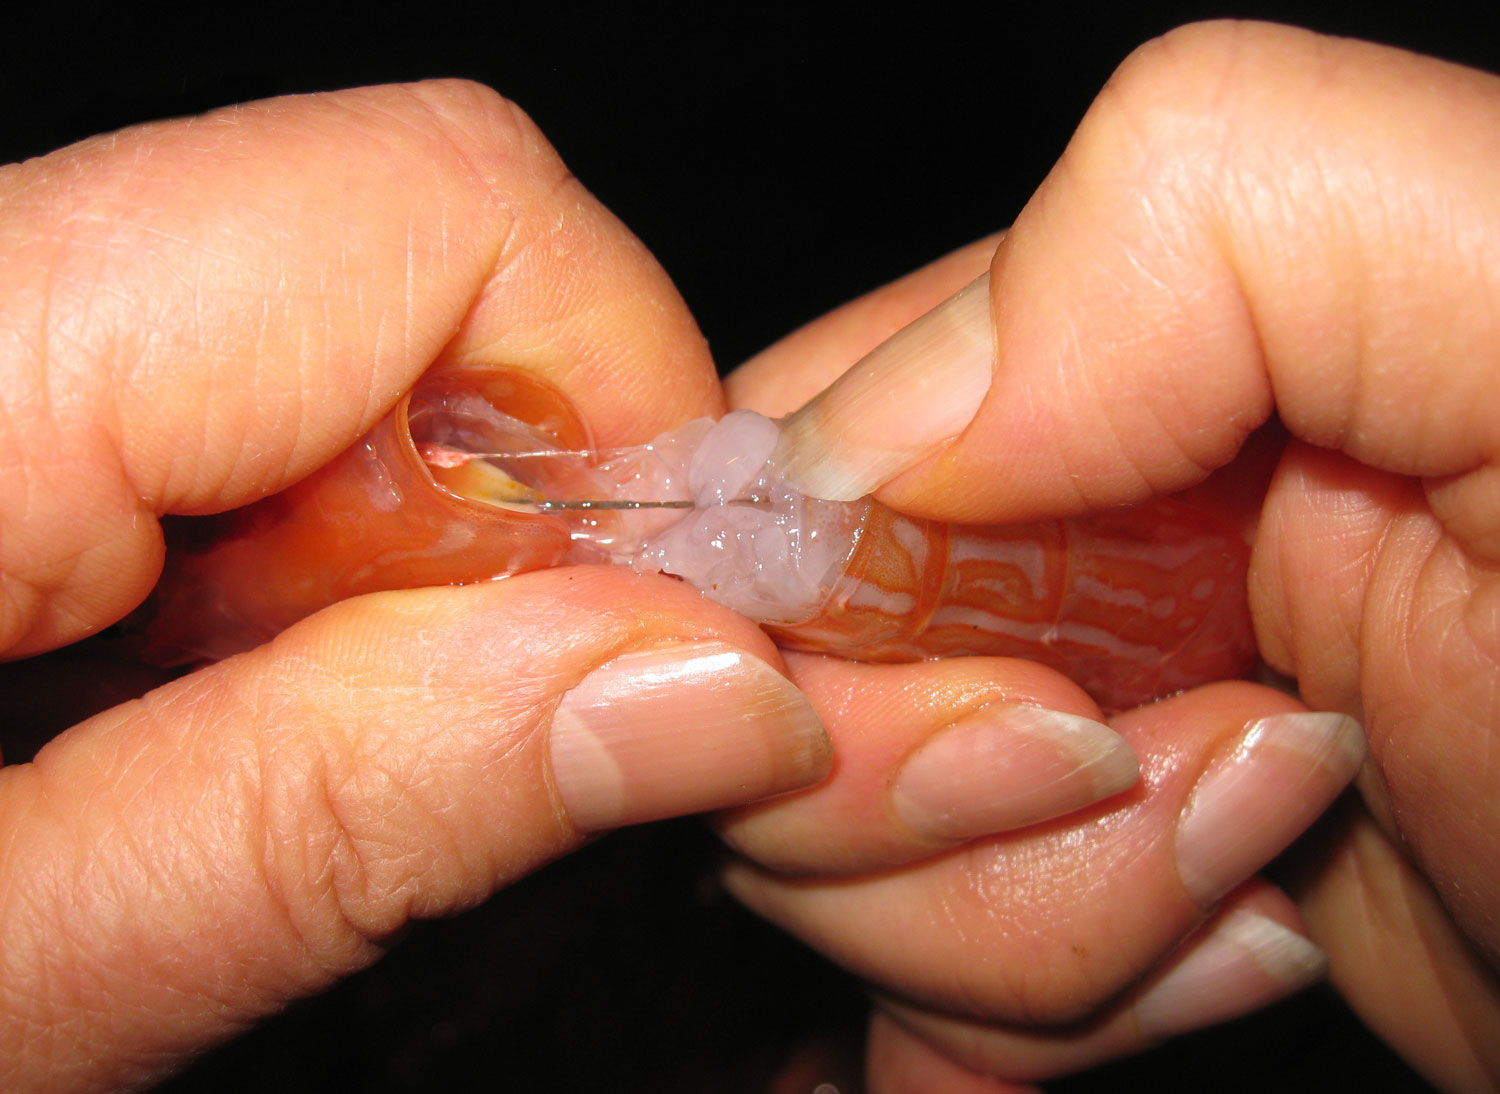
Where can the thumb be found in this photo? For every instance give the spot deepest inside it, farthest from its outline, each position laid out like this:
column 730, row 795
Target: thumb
column 186, row 863
column 1250, row 218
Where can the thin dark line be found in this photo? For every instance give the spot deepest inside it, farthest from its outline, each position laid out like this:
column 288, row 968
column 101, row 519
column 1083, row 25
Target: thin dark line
column 619, row 504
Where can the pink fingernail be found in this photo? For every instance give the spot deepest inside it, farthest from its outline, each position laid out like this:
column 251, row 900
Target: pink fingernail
column 1245, row 962
column 681, row 729
column 1006, row 766
column 1250, row 805
column 896, row 406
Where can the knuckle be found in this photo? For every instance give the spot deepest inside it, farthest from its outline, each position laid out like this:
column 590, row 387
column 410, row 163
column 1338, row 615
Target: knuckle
column 1164, row 102
column 1178, row 104
column 1193, row 64
column 343, row 850
column 524, row 182
column 22, row 604
column 491, row 133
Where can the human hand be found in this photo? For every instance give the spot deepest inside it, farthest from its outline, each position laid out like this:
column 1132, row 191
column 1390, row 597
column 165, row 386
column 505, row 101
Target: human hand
column 198, row 313
column 1250, row 220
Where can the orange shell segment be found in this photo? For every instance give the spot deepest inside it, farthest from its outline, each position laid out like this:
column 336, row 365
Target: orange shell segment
column 373, row 519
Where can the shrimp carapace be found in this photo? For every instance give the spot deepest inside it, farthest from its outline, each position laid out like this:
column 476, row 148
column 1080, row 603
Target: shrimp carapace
column 375, row 518
column 455, row 486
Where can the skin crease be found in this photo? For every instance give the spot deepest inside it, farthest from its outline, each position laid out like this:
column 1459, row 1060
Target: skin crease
column 158, row 199
column 1024, row 954
column 178, row 866
column 1037, row 953
column 1254, row 215
column 316, row 827
column 577, row 351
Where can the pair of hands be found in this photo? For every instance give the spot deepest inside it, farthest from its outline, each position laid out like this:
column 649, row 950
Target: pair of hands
column 1249, row 219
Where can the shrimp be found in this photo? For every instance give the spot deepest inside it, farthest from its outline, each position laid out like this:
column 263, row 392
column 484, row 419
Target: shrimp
column 461, row 483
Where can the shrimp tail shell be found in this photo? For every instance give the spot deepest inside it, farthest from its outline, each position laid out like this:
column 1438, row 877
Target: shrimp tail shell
column 374, row 519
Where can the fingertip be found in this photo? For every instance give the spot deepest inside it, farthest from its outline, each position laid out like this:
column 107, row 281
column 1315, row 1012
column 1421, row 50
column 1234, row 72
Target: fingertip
column 1244, row 223
column 270, row 822
column 1250, row 803
column 898, row 405
column 1239, row 963
column 789, row 373
column 1002, row 767
column 228, row 361
column 681, row 728
column 931, row 755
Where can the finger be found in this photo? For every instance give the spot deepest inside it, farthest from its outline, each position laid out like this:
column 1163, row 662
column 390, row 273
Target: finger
column 898, row 1061
column 930, row 756
column 783, row 376
column 1249, row 216
column 1252, row 953
column 1254, row 216
column 183, row 864
column 197, row 313
column 42, row 696
column 1395, row 956
column 1047, row 923
column 1407, row 633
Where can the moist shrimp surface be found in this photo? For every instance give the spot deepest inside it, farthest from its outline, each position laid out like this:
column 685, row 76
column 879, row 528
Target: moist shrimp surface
column 455, row 486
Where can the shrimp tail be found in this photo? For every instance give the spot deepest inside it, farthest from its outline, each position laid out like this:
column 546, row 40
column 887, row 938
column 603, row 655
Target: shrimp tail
column 376, row 518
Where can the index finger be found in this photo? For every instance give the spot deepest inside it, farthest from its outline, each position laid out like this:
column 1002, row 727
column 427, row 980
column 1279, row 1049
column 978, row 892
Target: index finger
column 199, row 312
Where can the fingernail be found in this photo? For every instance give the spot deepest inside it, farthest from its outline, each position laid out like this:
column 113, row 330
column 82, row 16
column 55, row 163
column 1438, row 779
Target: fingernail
column 897, row 405
column 1250, row 805
column 1006, row 766
column 1246, row 962
column 681, row 729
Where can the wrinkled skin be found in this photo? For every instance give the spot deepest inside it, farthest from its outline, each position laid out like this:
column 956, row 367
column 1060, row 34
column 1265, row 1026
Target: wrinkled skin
column 232, row 376
column 187, row 326
column 1254, row 218
column 190, row 326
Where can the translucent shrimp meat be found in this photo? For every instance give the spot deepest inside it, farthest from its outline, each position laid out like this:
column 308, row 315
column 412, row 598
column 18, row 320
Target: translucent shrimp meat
column 1132, row 605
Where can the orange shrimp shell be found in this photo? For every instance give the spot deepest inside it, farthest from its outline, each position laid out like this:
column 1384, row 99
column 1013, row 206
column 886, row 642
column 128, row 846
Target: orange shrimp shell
column 373, row 519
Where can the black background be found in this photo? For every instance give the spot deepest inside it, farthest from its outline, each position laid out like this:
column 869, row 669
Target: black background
column 778, row 162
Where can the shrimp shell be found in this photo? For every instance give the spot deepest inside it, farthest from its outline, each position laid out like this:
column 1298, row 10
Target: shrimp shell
column 373, row 519
column 1131, row 605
